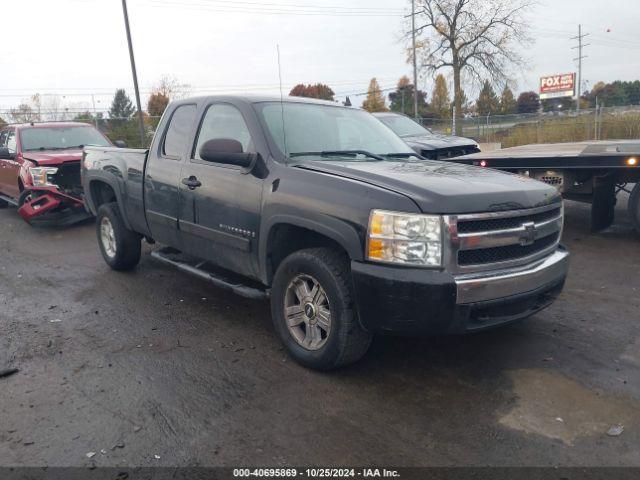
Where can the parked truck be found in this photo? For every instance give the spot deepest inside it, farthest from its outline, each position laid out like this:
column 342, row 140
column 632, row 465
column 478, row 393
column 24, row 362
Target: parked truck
column 592, row 172
column 328, row 213
column 40, row 169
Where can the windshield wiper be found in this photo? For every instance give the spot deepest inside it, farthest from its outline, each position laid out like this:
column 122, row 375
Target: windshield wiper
column 402, row 155
column 43, row 149
column 338, row 153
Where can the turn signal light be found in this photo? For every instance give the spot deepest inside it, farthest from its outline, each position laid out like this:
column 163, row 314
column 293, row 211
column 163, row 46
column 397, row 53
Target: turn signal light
column 632, row 162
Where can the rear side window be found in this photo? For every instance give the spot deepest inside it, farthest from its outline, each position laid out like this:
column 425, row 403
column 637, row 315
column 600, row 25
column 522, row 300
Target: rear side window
column 175, row 140
column 3, row 138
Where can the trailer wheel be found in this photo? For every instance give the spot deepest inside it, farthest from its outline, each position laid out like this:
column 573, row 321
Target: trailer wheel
column 634, row 207
column 120, row 247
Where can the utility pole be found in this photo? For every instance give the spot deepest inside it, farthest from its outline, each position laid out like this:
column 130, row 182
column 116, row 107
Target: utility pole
column 135, row 75
column 415, row 60
column 95, row 113
column 579, row 47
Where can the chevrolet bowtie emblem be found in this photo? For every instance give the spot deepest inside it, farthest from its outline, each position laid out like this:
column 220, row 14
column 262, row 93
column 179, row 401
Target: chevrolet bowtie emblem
column 528, row 236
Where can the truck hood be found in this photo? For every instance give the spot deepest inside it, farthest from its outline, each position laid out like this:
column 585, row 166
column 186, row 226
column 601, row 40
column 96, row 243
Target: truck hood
column 437, row 142
column 446, row 188
column 53, row 157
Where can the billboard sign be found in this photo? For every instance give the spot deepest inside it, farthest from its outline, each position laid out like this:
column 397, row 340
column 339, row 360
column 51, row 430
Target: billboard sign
column 555, row 86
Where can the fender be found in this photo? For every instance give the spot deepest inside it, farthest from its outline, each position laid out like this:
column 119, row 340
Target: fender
column 337, row 230
column 116, row 185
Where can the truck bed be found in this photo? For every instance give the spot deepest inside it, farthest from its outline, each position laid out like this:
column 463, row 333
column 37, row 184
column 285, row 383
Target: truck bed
column 604, row 154
column 127, row 165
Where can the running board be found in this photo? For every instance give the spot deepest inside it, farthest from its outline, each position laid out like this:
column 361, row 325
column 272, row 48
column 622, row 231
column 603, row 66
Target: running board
column 9, row 200
column 202, row 269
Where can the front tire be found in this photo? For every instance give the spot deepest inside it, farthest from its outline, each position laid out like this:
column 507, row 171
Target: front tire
column 313, row 311
column 120, row 247
column 634, row 207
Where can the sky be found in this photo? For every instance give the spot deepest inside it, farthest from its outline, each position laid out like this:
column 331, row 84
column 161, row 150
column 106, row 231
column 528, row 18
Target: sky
column 76, row 48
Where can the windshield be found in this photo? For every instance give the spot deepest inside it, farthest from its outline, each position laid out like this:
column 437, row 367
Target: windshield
column 60, row 138
column 403, row 126
column 312, row 129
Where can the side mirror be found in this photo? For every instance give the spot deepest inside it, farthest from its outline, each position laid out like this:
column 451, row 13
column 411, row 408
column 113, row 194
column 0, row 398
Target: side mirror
column 120, row 144
column 226, row 150
column 5, row 154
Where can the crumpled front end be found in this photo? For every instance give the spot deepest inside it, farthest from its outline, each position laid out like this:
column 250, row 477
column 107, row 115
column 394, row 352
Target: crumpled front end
column 54, row 196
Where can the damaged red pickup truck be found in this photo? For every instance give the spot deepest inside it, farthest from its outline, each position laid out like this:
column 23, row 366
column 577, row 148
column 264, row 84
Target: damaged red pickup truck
column 40, row 170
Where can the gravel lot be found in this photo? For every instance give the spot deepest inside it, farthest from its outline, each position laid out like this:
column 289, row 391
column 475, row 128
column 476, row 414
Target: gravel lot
column 157, row 368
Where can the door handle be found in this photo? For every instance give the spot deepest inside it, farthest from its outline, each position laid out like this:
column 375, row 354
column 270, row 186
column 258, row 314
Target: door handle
column 192, row 182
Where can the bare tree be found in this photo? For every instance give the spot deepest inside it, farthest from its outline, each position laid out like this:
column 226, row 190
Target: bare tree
column 24, row 113
column 473, row 38
column 170, row 87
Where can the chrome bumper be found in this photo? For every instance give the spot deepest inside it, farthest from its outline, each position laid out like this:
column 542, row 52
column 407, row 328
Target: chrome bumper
column 480, row 287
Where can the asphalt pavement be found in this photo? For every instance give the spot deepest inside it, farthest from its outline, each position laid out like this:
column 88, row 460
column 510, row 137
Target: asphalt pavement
column 154, row 367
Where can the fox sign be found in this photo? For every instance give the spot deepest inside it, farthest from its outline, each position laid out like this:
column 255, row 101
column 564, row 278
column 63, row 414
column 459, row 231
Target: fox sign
column 554, row 86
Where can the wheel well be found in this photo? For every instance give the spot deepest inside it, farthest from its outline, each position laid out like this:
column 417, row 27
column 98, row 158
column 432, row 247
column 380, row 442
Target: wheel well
column 284, row 239
column 101, row 193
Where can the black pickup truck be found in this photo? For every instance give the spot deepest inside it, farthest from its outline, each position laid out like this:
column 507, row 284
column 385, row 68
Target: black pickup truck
column 330, row 214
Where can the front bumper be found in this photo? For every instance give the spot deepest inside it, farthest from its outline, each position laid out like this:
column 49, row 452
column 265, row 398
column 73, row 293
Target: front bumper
column 419, row 301
column 50, row 206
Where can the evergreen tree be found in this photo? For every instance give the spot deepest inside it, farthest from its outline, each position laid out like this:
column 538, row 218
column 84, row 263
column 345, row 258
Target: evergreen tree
column 508, row 104
column 440, row 101
column 402, row 99
column 487, row 103
column 121, row 106
column 375, row 100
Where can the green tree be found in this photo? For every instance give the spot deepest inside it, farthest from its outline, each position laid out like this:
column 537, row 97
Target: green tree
column 121, row 106
column 440, row 101
column 375, row 100
column 402, row 99
column 508, row 104
column 319, row 90
column 528, row 102
column 487, row 103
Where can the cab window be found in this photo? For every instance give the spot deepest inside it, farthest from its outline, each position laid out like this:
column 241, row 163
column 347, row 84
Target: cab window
column 223, row 121
column 175, row 140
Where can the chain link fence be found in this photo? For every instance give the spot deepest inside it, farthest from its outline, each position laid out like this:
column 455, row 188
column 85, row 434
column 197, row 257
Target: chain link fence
column 553, row 127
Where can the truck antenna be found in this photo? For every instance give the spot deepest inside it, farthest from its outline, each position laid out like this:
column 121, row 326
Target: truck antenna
column 284, row 131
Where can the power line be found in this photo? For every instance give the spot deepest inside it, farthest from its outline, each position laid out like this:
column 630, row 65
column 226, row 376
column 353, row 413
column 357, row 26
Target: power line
column 301, row 6
column 272, row 11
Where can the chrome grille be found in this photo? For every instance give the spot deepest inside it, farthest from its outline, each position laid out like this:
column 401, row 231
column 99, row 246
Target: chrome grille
column 489, row 241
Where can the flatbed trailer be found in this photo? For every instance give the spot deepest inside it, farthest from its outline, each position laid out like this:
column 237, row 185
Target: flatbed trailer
column 592, row 172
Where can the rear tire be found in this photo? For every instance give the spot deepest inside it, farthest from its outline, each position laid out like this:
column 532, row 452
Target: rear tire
column 313, row 310
column 120, row 247
column 634, row 207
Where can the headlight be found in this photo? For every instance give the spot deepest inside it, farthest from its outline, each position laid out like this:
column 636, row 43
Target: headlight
column 40, row 176
column 405, row 238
